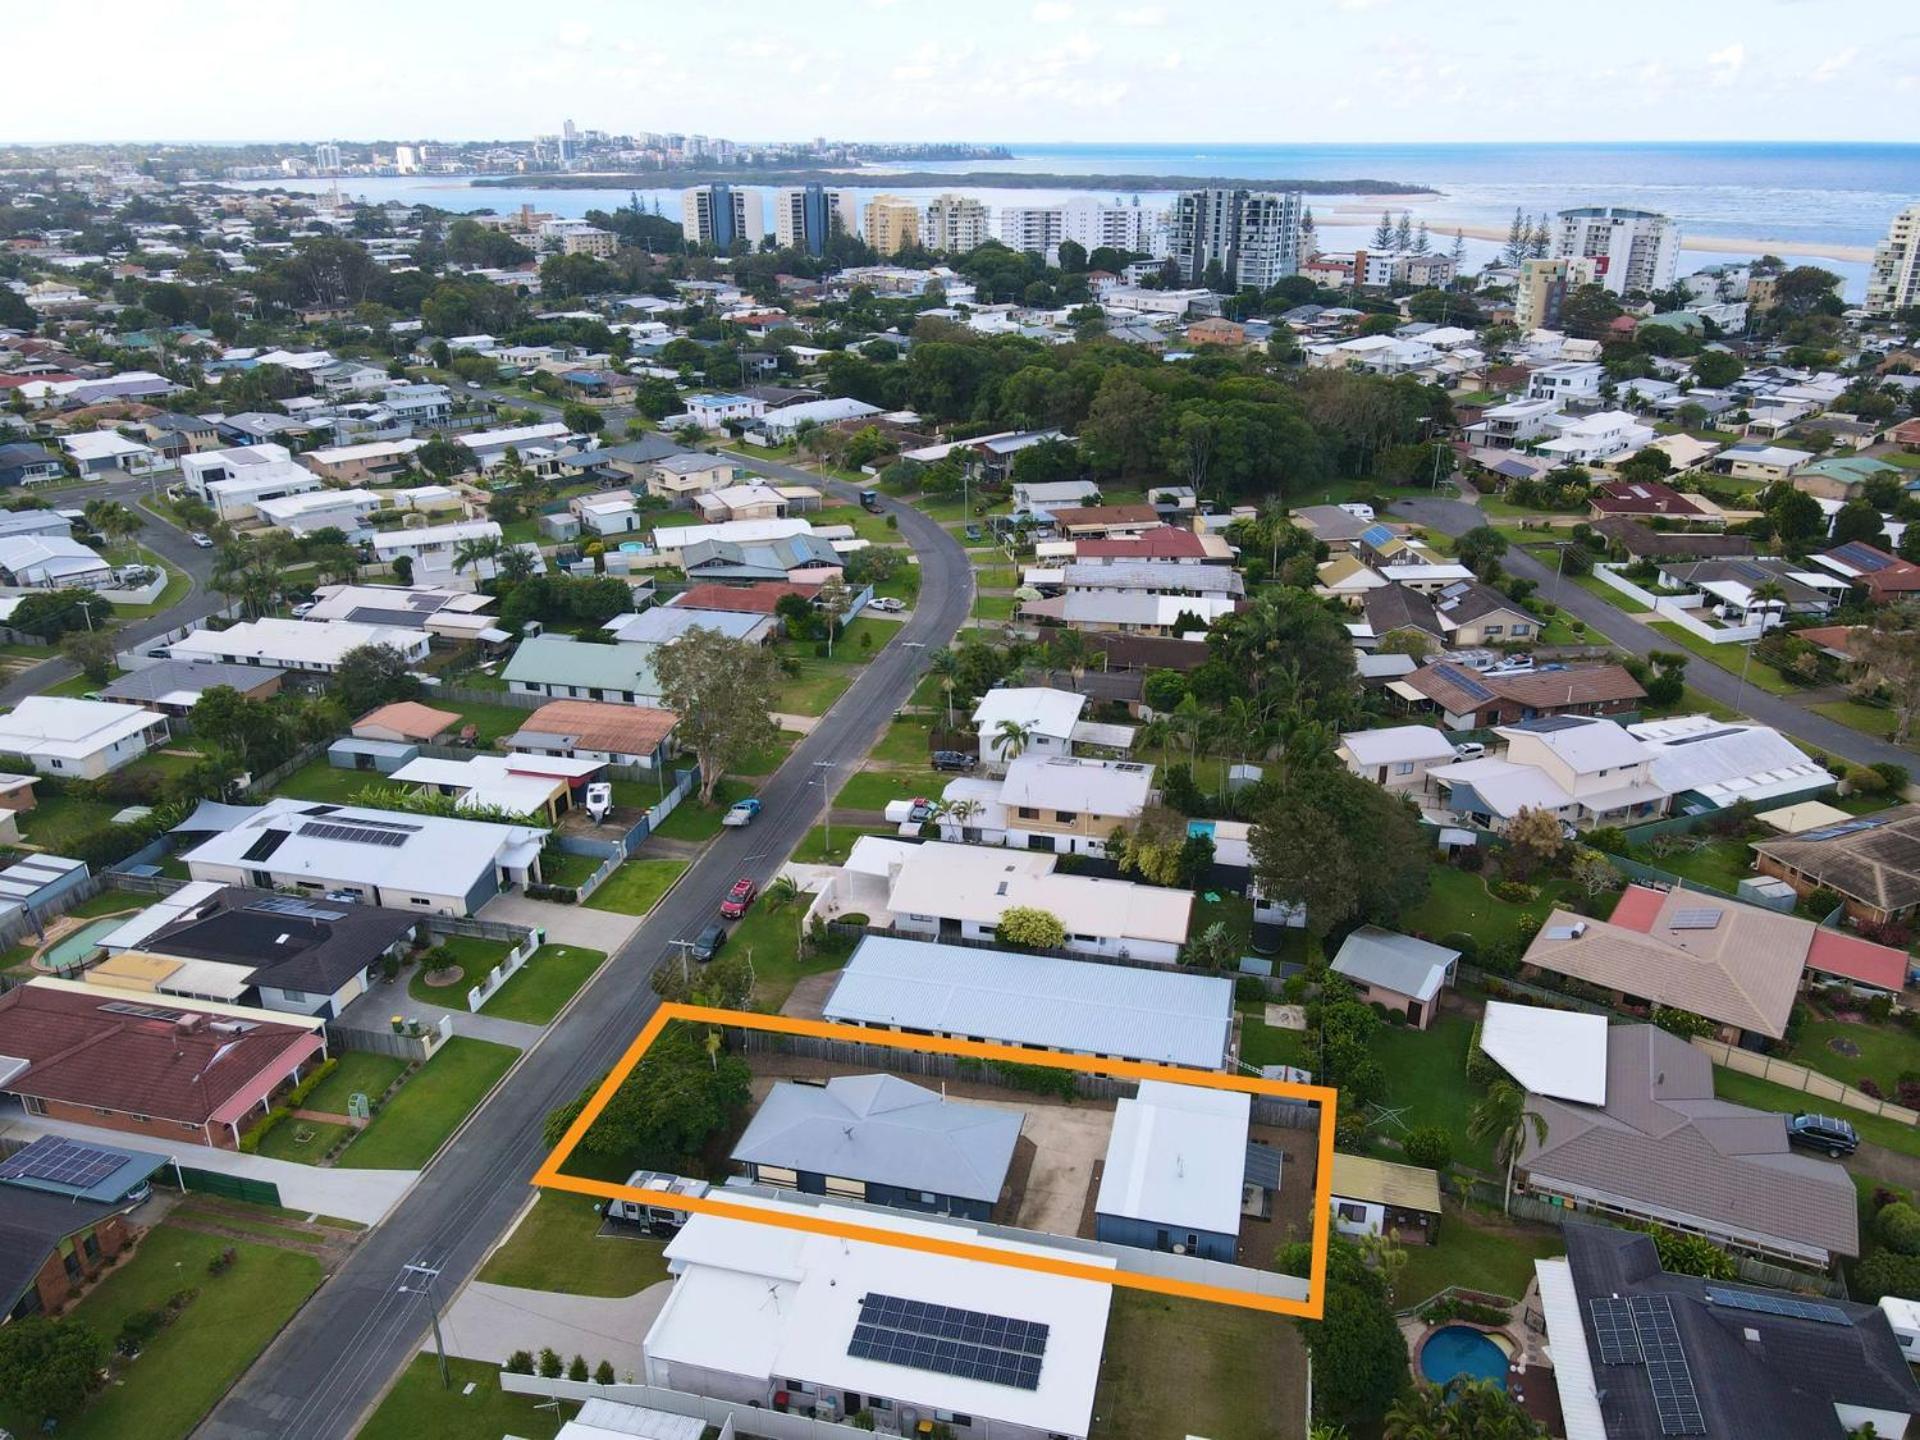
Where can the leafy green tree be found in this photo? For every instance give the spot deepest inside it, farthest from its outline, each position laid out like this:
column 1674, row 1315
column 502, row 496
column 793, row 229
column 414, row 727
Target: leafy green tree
column 723, row 691
column 1480, row 550
column 1796, row 516
column 92, row 651
column 583, row 419
column 373, row 675
column 1359, row 1355
column 48, row 1368
column 1716, row 369
column 1344, row 848
column 676, row 1098
column 1030, row 928
column 1692, row 1255
column 1461, row 1409
column 1859, row 520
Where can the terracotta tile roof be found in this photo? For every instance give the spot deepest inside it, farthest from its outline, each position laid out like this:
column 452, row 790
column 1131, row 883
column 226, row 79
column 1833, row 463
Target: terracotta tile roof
column 1068, row 516
column 1834, row 952
column 1642, row 497
column 1554, row 689
column 81, row 1050
column 597, row 725
column 745, row 599
column 409, row 718
column 1166, row 542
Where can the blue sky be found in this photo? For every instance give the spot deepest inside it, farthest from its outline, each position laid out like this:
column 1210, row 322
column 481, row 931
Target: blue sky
column 1007, row 70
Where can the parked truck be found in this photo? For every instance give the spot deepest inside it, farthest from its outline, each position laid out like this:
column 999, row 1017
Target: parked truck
column 741, row 812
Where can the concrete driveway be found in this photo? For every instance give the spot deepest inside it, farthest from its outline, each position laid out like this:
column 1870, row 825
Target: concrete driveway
column 1067, row 1140
column 490, row 1322
column 564, row 924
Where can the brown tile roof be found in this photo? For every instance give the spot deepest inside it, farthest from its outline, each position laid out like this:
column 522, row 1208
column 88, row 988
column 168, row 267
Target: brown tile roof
column 1743, row 969
column 1642, row 497
column 1068, row 516
column 745, row 599
column 597, row 725
column 1875, row 860
column 1666, row 1146
column 80, row 1050
column 1167, row 542
column 410, row 718
column 1556, row 689
column 1638, row 538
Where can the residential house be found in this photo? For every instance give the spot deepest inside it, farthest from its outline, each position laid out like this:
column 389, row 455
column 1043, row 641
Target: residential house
column 313, row 648
column 801, row 559
column 1883, row 578
column 1729, row 1359
column 1638, row 540
column 1179, row 1162
column 174, row 687
column 1661, row 1149
column 1633, row 498
column 1751, row 460
column 563, row 668
column 1168, row 544
column 781, row 426
column 1348, row 578
column 1708, row 764
column 1604, row 437
column 79, row 739
column 1094, row 522
column 1840, row 477
column 1017, row 720
column 25, row 464
column 772, row 1317
column 884, row 1141
column 52, row 1246
column 421, row 864
column 1462, row 613
column 762, row 598
column 1397, row 757
column 714, row 411
column 489, row 447
column 435, row 551
column 609, row 513
column 434, row 609
column 238, row 945
column 236, row 479
column 1582, row 769
column 1064, row 804
column 407, row 722
column 1039, row 499
column 754, row 500
column 1037, row 1002
column 1732, row 585
column 681, row 478
column 1511, row 426
column 373, row 463
column 1334, row 526
column 1132, row 612
column 941, row 891
column 52, row 562
column 1568, row 382
column 526, row 787
column 665, row 624
column 106, row 452
column 1399, row 972
column 1467, row 700
column 1872, row 863
column 595, row 730
column 1399, row 1203
column 179, row 1072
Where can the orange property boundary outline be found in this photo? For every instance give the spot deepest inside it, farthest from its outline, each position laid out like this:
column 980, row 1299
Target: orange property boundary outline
column 549, row 1175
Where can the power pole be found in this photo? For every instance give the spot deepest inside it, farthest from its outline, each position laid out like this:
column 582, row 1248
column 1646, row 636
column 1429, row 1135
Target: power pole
column 427, row 1274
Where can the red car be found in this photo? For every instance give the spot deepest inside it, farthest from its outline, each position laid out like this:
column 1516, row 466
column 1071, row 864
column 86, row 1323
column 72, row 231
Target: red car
column 738, row 898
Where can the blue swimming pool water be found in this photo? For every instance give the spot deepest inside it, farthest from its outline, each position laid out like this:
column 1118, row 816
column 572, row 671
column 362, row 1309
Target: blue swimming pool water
column 76, row 947
column 1461, row 1350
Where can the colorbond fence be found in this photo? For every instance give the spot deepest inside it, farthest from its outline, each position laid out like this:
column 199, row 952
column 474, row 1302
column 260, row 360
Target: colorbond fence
column 1799, row 1077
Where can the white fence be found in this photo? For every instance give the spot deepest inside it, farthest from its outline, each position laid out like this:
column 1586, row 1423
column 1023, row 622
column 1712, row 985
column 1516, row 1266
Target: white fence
column 479, row 994
column 1678, row 608
column 731, row 1416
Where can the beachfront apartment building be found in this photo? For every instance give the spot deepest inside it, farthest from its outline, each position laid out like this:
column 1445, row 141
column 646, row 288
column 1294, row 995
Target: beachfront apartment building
column 892, row 224
column 1543, row 286
column 1253, row 236
column 805, row 215
column 1632, row 250
column 718, row 215
column 1894, row 281
column 957, row 224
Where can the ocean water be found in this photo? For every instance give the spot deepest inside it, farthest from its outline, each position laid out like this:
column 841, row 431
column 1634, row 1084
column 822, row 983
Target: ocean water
column 1825, row 202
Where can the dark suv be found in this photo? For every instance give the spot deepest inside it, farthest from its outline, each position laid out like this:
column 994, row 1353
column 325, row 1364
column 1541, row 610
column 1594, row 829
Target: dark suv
column 955, row 760
column 708, row 942
column 1823, row 1133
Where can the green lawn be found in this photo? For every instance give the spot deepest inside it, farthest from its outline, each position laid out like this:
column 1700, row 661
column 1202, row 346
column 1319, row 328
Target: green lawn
column 1175, row 1367
column 773, row 937
column 1883, row 1052
column 189, row 1365
column 993, row 607
column 359, row 1071
column 1722, row 864
column 1731, row 658
column 1427, row 1081
column 1691, row 702
column 317, row 780
column 867, row 525
column 1234, row 911
column 475, row 958
column 693, row 821
column 112, row 902
column 1264, row 1044
column 903, row 584
column 1477, row 1251
column 558, row 1247
column 906, row 742
column 562, row 867
column 815, row 688
column 538, row 990
column 769, row 757
column 177, row 588
column 1766, row 1095
column 409, row 1130
column 814, row 849
column 1875, row 720
column 304, row 1142
column 58, row 820
column 865, row 638
column 474, row 1407
column 636, row 887
column 875, row 789
column 1596, row 586
column 490, row 721
column 1458, row 902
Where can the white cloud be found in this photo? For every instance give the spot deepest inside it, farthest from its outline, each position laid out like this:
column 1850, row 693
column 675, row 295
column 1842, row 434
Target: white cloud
column 1829, row 69
column 1141, row 17
column 1728, row 63
column 1052, row 12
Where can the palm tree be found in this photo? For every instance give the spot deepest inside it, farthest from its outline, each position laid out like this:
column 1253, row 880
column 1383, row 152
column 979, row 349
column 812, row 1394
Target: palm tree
column 1461, row 1409
column 472, row 552
column 1011, row 739
column 782, row 893
column 1503, row 1117
column 516, row 564
column 1766, row 592
column 946, row 665
column 960, row 812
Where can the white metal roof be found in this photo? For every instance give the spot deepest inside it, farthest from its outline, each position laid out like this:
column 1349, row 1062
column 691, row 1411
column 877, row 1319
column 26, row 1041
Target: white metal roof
column 296, row 644
column 1561, row 1053
column 1080, row 786
column 1396, row 743
column 981, row 883
column 1048, row 712
column 1178, row 1157
column 1572, row 1369
column 55, row 726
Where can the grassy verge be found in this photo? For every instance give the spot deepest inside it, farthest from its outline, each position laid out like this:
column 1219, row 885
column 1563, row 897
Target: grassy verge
column 474, row 1407
column 1233, row 1375
column 815, row 849
column 815, row 688
column 993, row 607
column 544, row 984
column 558, row 1247
column 693, row 821
column 1766, row 1095
column 187, row 1366
column 876, row 789
column 1874, row 720
column 1730, row 658
column 424, row 1111
column 1593, row 585
column 636, row 887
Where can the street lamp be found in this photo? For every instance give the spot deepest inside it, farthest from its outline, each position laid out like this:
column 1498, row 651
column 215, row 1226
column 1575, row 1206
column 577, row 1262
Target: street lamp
column 826, row 802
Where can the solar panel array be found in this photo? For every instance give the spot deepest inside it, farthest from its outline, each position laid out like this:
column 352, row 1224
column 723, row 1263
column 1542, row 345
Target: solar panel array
column 1786, row 1305
column 1863, row 558
column 138, row 1012
column 1453, row 674
column 1703, row 918
column 1675, row 1401
column 295, row 908
column 1846, row 827
column 61, row 1162
column 357, row 833
column 1612, row 1326
column 947, row 1340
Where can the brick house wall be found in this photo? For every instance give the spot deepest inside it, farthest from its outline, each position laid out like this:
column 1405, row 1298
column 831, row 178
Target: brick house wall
column 57, row 1283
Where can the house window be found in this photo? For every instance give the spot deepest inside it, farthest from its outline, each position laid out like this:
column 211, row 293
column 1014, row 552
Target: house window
column 1496, row 629
column 1067, row 817
column 416, row 900
column 1521, row 629
column 778, row 1175
column 294, row 994
column 1026, row 813
column 1347, row 1210
column 1403, row 767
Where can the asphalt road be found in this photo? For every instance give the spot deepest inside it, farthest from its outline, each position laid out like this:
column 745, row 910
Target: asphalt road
column 1456, row 517
column 330, row 1365
column 162, row 537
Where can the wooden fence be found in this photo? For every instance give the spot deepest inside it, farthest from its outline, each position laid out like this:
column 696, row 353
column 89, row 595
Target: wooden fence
column 1799, row 1077
column 416, row 1049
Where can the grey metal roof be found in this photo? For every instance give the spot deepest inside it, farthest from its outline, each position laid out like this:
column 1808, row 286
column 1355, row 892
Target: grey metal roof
column 885, row 1131
column 1390, row 961
column 1043, row 1001
column 169, row 676
column 32, row 1225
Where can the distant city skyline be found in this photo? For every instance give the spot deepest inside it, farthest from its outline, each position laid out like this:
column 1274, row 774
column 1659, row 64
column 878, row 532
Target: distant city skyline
column 1354, row 71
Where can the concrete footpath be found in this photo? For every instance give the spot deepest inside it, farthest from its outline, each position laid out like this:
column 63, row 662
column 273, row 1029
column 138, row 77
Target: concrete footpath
column 362, row 1195
column 490, row 1322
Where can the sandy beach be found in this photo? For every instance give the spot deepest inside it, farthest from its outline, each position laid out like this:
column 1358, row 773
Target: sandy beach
column 1441, row 226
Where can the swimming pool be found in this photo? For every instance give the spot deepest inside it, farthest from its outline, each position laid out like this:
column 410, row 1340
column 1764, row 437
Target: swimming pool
column 1455, row 1350
column 70, row 950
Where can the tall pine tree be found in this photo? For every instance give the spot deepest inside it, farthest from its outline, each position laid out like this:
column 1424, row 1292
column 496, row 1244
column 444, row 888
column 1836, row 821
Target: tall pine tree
column 1518, row 239
column 1459, row 250
column 1542, row 240
column 1422, row 242
column 1383, row 232
column 1403, row 232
